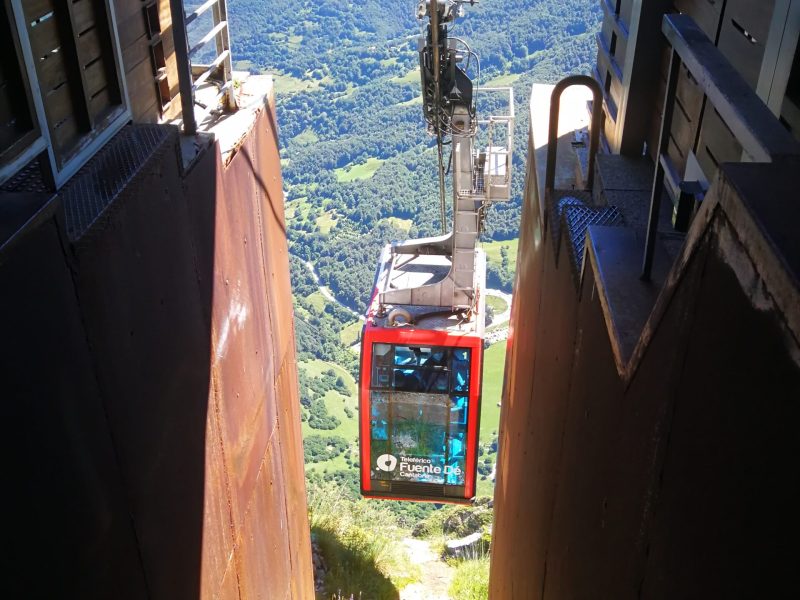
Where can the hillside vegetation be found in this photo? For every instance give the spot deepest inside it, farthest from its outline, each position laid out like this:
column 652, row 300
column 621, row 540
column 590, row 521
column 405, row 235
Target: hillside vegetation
column 359, row 171
column 354, row 144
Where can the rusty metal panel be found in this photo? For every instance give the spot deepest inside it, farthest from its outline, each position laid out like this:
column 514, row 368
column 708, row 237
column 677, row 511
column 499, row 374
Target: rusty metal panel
column 218, row 558
column 66, row 504
column 582, row 541
column 725, row 521
column 151, row 345
column 674, row 480
column 242, row 360
column 269, row 192
column 294, row 476
column 165, row 437
column 531, row 456
column 266, row 567
column 514, row 433
column 255, row 372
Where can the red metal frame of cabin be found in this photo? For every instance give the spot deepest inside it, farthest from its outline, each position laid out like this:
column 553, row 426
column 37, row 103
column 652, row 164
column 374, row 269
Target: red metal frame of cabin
column 420, row 337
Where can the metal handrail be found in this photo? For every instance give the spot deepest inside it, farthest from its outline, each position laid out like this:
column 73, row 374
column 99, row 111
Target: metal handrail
column 188, row 83
column 552, row 140
column 761, row 135
column 508, row 121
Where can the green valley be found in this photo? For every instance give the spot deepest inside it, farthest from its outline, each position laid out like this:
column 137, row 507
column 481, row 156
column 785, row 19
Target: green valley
column 360, row 171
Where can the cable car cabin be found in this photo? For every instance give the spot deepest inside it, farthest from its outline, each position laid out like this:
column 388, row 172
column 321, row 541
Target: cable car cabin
column 420, row 387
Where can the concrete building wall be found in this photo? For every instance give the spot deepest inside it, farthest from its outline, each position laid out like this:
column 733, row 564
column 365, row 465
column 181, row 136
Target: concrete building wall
column 149, row 385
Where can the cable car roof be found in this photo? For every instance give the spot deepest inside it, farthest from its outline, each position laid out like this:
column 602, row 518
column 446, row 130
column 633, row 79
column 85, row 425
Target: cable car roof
column 418, row 270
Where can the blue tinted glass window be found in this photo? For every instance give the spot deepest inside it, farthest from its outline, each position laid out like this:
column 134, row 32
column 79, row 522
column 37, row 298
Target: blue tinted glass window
column 458, row 409
column 381, row 366
column 379, row 416
column 456, row 445
column 460, row 370
column 461, row 379
column 419, row 413
column 404, row 355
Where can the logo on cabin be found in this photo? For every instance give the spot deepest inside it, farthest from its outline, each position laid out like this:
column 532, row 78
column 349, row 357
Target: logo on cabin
column 386, row 462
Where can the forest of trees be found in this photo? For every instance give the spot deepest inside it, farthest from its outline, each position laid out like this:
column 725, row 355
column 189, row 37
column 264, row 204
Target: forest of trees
column 348, row 71
column 360, row 171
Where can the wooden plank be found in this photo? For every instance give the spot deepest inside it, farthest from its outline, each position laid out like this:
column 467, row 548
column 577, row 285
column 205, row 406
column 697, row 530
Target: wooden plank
column 124, row 9
column 73, row 44
column 65, row 136
column 754, row 17
column 706, row 14
column 172, row 66
column 164, row 14
column 96, row 77
column 135, row 53
column 131, row 29
column 90, row 46
column 52, row 71
column 146, row 114
column 83, row 15
column 717, row 144
column 683, row 130
column 100, row 103
column 676, row 157
column 35, row 9
column 142, row 92
column 8, row 135
column 59, row 104
column 744, row 35
column 45, row 37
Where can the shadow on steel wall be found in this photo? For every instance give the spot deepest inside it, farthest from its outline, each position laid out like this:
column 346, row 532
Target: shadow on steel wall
column 678, row 482
column 152, row 443
column 106, row 374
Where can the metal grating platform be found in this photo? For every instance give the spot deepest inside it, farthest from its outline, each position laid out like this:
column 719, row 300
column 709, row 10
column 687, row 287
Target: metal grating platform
column 90, row 193
column 577, row 219
column 571, row 212
column 28, row 180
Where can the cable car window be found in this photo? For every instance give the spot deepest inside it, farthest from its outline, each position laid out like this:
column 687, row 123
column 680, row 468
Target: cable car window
column 382, row 358
column 419, row 410
column 460, row 370
column 458, row 410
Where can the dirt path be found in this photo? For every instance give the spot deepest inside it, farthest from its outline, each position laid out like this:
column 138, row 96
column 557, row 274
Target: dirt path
column 436, row 574
column 506, row 314
column 326, row 292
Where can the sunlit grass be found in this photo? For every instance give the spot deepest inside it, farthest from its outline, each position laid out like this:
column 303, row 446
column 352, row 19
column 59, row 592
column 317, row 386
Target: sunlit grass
column 317, row 367
column 497, row 304
column 492, row 250
column 494, row 360
column 398, row 223
column 358, row 541
column 502, row 80
column 326, row 221
column 471, row 580
column 361, row 171
column 411, row 77
column 317, row 301
column 308, row 136
column 288, row 84
column 350, row 333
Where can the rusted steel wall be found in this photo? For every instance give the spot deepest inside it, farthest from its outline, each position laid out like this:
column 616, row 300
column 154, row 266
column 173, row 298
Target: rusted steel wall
column 680, row 481
column 148, row 370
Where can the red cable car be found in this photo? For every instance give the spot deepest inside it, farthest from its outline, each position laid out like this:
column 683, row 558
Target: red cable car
column 422, row 344
column 420, row 393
